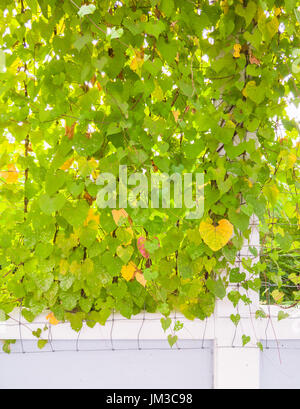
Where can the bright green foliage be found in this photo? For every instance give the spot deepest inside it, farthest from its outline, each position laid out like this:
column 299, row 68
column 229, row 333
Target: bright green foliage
column 160, row 85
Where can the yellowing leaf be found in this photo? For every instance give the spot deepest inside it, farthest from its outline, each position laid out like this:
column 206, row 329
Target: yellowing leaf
column 128, row 272
column 260, row 15
column 119, row 214
column 70, row 130
column 216, row 237
column 93, row 164
column 250, row 184
column 271, row 192
column 158, row 92
column 224, row 6
column 291, row 160
column 52, row 320
column 254, row 60
column 141, row 279
column 138, row 60
column 176, row 115
column 272, row 27
column 278, row 296
column 75, row 268
column 89, row 198
column 63, row 267
column 67, row 164
column 11, row 175
column 277, row 11
column 249, row 84
column 237, row 49
column 92, row 219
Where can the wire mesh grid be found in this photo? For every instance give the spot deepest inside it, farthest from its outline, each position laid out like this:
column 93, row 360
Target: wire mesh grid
column 195, row 335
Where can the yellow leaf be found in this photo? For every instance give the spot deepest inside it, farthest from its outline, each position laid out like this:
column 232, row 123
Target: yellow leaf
column 11, row 175
column 237, row 49
column 224, row 6
column 216, row 237
column 260, row 14
column 278, row 296
column 250, row 184
column 119, row 214
column 249, row 84
column 92, row 219
column 93, row 164
column 67, row 164
column 128, row 272
column 141, row 279
column 75, row 268
column 271, row 192
column 277, row 11
column 176, row 115
column 138, row 60
column 52, row 320
column 291, row 160
column 158, row 92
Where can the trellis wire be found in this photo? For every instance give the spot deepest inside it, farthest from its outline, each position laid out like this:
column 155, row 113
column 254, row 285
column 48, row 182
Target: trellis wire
column 201, row 343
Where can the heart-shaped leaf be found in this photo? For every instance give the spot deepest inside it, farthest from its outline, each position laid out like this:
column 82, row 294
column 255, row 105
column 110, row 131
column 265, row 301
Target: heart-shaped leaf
column 172, row 340
column 216, row 237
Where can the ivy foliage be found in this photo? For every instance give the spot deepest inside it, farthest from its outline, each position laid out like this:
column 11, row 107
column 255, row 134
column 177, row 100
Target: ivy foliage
column 157, row 85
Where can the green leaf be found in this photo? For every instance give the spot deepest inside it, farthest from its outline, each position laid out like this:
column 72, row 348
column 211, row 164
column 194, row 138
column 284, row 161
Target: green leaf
column 167, row 7
column 216, row 287
column 42, row 343
column 260, row 314
column 150, row 274
column 172, row 339
column 6, row 345
column 247, row 12
column 166, row 323
column 282, row 315
column 50, row 205
column 239, row 219
column 154, row 28
column 69, row 300
column 235, row 319
column 245, row 340
column 236, row 276
column 76, row 320
column 76, row 216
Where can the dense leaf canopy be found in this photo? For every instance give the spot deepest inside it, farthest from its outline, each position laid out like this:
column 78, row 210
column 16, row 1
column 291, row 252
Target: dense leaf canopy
column 160, row 86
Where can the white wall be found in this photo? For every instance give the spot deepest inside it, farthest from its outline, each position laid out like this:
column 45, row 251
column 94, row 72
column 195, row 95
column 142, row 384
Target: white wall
column 280, row 365
column 155, row 366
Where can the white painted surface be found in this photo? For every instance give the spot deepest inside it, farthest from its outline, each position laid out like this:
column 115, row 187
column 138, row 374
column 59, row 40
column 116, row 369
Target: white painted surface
column 279, row 365
column 149, row 368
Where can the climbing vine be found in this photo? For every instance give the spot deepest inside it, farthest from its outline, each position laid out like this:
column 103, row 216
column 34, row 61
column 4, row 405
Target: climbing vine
column 163, row 86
